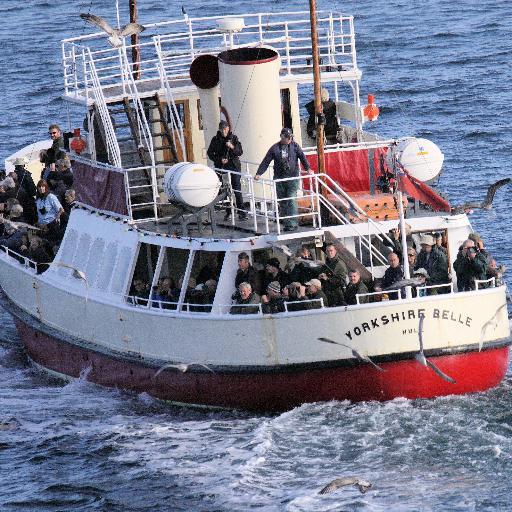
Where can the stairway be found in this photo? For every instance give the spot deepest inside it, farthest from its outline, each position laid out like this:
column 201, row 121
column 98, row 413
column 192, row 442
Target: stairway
column 134, row 149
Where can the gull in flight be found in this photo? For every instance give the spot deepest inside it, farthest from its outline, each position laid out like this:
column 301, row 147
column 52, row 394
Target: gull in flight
column 182, row 367
column 486, row 204
column 362, row 485
column 420, row 357
column 116, row 35
column 355, row 353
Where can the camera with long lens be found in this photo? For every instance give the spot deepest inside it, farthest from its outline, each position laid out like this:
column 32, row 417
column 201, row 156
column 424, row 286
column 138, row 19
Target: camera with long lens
column 285, row 165
column 42, row 210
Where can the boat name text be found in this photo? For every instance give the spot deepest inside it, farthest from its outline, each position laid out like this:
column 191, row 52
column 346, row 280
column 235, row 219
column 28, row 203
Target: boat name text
column 410, row 314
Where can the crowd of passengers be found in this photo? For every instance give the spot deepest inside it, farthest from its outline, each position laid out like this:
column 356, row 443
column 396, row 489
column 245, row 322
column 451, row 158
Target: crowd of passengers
column 34, row 217
column 306, row 284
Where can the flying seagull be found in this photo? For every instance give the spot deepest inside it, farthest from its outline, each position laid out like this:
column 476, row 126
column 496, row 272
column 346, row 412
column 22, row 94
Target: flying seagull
column 182, row 367
column 420, row 357
column 355, row 353
column 486, row 204
column 362, row 485
column 116, row 35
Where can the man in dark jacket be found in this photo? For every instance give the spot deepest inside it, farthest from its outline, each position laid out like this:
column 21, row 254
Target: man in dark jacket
column 315, row 293
column 273, row 301
column 286, row 155
column 469, row 265
column 224, row 151
column 355, row 287
column 434, row 261
column 393, row 274
column 333, row 276
column 246, row 273
column 27, row 190
column 246, row 301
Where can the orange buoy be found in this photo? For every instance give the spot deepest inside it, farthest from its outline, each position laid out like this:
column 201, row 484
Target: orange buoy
column 78, row 143
column 371, row 111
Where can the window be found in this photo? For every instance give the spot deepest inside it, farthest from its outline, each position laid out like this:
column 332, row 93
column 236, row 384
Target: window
column 144, row 271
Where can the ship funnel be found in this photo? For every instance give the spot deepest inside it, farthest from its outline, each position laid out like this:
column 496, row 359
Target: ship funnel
column 251, row 97
column 204, row 73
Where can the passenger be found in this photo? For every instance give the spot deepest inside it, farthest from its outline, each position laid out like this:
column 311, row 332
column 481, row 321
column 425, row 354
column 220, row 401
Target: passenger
column 224, row 151
column 434, row 261
column 273, row 272
column 393, row 274
column 411, row 257
column 49, row 211
column 12, row 238
column 7, row 189
column 355, row 287
column 286, row 155
column 421, row 276
column 493, row 270
column 395, row 243
column 331, row 118
column 273, row 302
column 40, row 252
column 16, row 214
column 210, row 268
column 295, row 297
column 68, row 204
column 61, row 179
column 53, row 153
column 302, row 272
column 244, row 297
column 333, row 276
column 438, row 240
column 469, row 265
column 246, row 272
column 139, row 292
column 315, row 293
column 26, row 190
column 479, row 244
column 163, row 294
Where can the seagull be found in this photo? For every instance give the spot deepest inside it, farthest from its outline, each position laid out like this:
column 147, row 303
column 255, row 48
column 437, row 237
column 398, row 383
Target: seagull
column 420, row 357
column 486, row 204
column 297, row 259
column 355, row 353
column 18, row 225
column 182, row 367
column 362, row 485
column 492, row 322
column 116, row 35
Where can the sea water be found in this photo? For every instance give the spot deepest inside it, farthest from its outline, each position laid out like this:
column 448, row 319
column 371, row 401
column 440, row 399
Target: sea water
column 440, row 70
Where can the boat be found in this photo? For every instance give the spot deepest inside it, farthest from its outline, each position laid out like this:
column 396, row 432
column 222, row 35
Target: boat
column 150, row 206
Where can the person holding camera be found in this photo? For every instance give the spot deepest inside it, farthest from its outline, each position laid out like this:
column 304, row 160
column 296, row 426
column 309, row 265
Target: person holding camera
column 470, row 264
column 225, row 151
column 434, row 261
column 286, row 155
column 49, row 211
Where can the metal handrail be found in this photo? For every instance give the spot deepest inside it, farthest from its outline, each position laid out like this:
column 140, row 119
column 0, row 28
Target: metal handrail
column 383, row 292
column 491, row 281
column 287, row 32
column 419, row 289
column 27, row 262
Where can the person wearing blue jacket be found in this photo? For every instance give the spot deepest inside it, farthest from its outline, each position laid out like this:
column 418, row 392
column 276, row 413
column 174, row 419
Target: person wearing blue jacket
column 286, row 155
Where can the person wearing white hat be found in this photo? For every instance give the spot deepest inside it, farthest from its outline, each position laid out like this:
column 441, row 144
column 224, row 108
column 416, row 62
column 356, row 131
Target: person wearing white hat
column 435, row 263
column 27, row 189
column 315, row 293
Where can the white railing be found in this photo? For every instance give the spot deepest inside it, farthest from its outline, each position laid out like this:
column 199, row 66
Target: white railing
column 485, row 283
column 424, row 290
column 175, row 121
column 382, row 295
column 114, row 153
column 23, row 260
column 180, row 41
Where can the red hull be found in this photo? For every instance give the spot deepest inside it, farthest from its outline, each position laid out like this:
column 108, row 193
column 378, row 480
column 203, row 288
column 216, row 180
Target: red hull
column 276, row 389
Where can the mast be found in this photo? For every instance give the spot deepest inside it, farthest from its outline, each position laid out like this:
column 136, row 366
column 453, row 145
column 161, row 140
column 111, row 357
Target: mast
column 319, row 110
column 135, row 42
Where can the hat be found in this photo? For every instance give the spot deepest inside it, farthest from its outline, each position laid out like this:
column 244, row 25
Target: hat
column 314, row 282
column 287, row 132
column 274, row 262
column 274, row 286
column 21, row 161
column 426, row 240
column 438, row 235
column 16, row 211
column 223, row 124
column 7, row 183
column 421, row 272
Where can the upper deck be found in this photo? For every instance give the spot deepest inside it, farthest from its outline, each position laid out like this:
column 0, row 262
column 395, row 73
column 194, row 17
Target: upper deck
column 168, row 48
